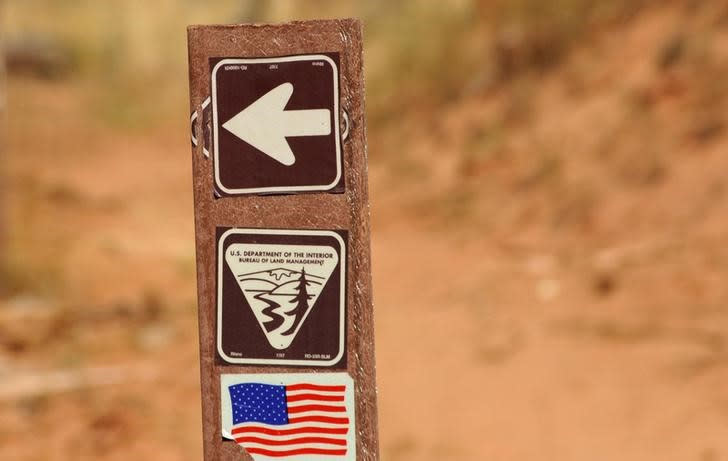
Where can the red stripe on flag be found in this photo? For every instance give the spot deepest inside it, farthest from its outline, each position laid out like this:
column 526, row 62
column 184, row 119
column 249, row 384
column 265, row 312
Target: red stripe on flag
column 261, row 441
column 323, row 398
column 300, row 451
column 315, row 387
column 304, row 408
column 318, row 419
column 299, row 430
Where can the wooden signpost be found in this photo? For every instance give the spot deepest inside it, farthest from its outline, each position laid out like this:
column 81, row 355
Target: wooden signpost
column 282, row 233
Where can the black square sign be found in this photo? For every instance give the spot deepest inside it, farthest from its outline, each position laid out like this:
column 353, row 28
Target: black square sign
column 275, row 124
column 281, row 297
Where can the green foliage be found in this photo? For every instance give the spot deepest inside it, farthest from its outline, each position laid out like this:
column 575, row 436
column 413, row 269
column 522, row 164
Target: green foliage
column 420, row 54
column 130, row 55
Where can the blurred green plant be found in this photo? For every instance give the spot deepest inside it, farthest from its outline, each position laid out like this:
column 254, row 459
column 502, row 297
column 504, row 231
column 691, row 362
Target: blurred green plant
column 424, row 54
column 131, row 56
column 420, row 54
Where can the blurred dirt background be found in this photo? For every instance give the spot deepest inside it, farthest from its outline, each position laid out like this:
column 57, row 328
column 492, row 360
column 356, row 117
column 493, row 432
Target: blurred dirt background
column 549, row 208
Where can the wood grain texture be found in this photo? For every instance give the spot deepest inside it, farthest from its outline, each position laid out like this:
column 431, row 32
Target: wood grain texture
column 349, row 211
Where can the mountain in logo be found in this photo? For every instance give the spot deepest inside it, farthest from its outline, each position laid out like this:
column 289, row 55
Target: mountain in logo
column 281, row 296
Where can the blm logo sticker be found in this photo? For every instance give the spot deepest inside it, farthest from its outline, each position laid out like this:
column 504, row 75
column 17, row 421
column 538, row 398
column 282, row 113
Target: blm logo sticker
column 281, row 297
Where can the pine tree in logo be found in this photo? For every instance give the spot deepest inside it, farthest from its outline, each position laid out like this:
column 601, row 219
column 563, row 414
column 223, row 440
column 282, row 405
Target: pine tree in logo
column 301, row 300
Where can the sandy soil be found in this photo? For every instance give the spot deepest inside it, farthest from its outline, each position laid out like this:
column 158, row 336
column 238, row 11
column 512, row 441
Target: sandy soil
column 560, row 297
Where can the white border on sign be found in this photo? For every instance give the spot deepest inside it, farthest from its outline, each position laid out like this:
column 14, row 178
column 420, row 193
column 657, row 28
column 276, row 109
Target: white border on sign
column 254, row 190
column 342, row 296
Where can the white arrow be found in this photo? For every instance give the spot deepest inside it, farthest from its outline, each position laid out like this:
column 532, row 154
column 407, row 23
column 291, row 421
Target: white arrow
column 265, row 125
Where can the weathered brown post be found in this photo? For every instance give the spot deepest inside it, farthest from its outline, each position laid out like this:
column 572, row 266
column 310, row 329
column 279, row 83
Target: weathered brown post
column 282, row 231
column 3, row 143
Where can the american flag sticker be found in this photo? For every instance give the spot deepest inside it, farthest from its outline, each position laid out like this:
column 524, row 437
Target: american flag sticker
column 298, row 416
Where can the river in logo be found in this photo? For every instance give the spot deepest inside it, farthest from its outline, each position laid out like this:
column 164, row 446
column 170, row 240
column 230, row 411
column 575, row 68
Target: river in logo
column 281, row 284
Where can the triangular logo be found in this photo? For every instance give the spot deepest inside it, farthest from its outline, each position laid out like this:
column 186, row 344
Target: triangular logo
column 281, row 283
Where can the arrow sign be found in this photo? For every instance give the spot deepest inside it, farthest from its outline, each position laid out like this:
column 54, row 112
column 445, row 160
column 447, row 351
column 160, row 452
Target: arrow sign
column 275, row 125
column 265, row 124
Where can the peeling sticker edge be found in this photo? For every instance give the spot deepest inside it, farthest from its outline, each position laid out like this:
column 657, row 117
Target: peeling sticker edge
column 282, row 379
column 195, row 116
